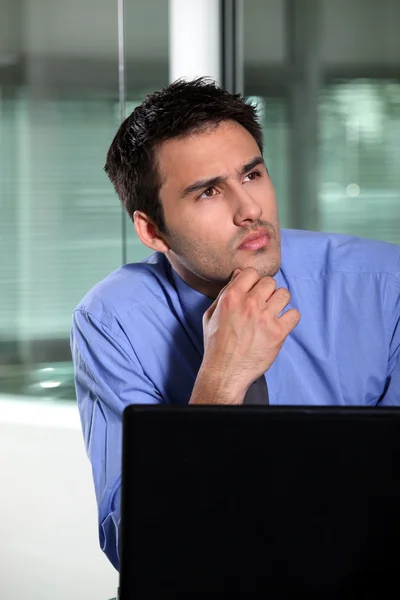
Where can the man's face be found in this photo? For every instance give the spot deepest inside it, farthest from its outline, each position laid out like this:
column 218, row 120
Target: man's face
column 215, row 192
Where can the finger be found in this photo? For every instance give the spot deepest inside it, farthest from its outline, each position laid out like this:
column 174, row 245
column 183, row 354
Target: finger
column 235, row 274
column 245, row 280
column 278, row 301
column 289, row 320
column 264, row 288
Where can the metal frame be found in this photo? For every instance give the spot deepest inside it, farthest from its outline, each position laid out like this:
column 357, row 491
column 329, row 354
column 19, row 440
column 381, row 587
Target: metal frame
column 122, row 110
column 232, row 67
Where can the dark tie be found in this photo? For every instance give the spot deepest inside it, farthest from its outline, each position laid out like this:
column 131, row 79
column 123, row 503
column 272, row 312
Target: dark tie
column 257, row 392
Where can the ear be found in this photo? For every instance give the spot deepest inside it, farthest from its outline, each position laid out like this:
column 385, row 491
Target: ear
column 148, row 232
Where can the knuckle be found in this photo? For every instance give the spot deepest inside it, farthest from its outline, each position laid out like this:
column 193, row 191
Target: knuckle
column 230, row 298
column 278, row 331
column 284, row 294
column 267, row 320
column 274, row 327
column 251, row 304
column 270, row 283
column 207, row 314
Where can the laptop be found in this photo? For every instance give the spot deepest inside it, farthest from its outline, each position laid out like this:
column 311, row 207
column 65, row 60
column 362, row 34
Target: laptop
column 260, row 502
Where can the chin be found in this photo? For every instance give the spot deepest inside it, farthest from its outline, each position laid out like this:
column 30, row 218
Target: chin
column 265, row 268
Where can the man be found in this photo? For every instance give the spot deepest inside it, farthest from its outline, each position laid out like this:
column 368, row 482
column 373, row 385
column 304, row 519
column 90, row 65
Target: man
column 215, row 308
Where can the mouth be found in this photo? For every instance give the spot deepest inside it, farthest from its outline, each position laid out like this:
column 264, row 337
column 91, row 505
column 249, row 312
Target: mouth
column 255, row 241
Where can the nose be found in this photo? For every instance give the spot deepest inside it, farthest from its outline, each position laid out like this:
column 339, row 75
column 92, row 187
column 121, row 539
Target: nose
column 247, row 209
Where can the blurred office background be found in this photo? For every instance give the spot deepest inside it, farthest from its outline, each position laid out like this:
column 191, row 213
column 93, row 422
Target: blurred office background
column 326, row 77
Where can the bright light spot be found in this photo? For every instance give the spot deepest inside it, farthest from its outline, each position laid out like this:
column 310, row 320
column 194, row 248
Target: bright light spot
column 46, row 369
column 49, row 384
column 353, row 190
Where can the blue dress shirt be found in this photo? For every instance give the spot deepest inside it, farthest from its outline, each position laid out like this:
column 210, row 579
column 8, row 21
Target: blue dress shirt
column 137, row 338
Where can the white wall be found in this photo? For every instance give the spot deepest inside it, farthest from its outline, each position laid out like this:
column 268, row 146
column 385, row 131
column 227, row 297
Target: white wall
column 48, row 518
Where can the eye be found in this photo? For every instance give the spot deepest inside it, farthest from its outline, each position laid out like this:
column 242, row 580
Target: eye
column 208, row 193
column 252, row 176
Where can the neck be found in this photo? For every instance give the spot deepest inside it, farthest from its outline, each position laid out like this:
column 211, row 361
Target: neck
column 208, row 288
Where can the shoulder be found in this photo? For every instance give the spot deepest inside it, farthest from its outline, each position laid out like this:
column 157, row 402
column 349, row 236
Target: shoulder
column 308, row 254
column 143, row 284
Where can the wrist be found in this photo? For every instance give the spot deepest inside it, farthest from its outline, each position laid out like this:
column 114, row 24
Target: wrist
column 213, row 386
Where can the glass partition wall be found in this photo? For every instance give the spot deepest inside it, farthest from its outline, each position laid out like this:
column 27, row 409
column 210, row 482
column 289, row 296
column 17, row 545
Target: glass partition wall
column 62, row 228
column 325, row 75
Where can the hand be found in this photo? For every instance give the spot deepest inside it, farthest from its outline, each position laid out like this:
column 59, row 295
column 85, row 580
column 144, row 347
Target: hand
column 243, row 333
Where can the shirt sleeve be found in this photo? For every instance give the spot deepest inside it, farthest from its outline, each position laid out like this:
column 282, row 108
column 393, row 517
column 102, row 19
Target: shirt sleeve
column 391, row 397
column 108, row 377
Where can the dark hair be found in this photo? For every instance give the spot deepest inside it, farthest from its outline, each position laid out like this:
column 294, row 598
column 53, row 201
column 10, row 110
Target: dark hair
column 175, row 111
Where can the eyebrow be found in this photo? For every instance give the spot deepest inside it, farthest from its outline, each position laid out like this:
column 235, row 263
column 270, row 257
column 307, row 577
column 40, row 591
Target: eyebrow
column 203, row 184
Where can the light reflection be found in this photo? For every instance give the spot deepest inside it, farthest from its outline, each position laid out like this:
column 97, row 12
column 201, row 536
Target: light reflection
column 49, row 384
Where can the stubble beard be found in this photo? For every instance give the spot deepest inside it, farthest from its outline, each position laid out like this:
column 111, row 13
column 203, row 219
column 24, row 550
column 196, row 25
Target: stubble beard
column 205, row 263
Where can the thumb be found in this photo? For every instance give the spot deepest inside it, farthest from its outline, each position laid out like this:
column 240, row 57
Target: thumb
column 236, row 273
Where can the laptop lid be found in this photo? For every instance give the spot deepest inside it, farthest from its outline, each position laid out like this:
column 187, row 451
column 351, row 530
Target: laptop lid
column 259, row 501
